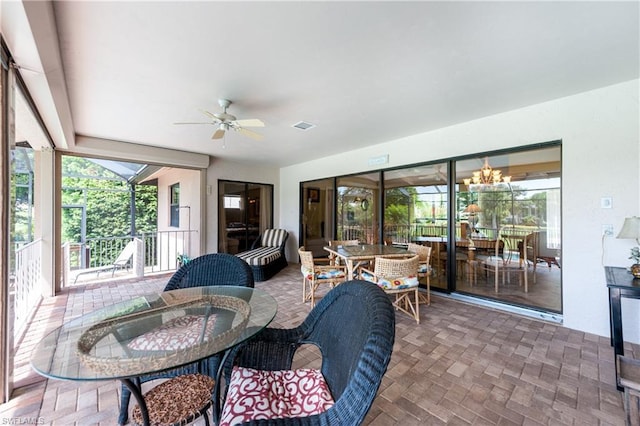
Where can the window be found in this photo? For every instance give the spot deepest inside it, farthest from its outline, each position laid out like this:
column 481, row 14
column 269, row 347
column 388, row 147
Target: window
column 174, row 191
column 232, row 202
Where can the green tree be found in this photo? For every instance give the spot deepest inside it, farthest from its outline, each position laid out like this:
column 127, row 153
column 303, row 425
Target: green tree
column 106, row 199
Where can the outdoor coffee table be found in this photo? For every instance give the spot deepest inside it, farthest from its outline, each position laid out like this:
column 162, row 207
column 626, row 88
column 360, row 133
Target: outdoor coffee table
column 98, row 345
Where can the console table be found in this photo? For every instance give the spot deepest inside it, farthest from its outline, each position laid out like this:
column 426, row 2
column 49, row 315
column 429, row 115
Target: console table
column 621, row 284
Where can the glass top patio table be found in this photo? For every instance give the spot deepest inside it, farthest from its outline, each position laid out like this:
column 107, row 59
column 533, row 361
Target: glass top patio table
column 98, row 345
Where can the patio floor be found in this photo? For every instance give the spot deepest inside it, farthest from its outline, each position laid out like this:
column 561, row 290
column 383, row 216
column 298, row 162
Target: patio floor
column 462, row 365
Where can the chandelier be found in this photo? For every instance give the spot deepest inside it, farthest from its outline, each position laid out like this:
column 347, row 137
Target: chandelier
column 486, row 176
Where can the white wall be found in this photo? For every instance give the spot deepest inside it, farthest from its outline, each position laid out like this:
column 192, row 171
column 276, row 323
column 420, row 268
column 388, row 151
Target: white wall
column 225, row 170
column 189, row 181
column 600, row 158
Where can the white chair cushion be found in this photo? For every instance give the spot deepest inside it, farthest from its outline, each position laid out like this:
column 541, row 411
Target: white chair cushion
column 258, row 394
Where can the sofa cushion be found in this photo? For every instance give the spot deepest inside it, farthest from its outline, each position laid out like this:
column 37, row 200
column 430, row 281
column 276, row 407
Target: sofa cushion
column 259, row 394
column 273, row 237
column 260, row 256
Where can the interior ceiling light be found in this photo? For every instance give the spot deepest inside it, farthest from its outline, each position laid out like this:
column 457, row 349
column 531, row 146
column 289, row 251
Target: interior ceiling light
column 486, row 176
column 303, row 125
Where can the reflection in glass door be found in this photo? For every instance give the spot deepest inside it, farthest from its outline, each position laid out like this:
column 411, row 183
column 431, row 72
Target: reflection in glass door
column 317, row 216
column 513, row 214
column 245, row 210
column 415, row 210
column 357, row 208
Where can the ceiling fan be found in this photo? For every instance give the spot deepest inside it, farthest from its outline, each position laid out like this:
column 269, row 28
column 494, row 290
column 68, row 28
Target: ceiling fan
column 226, row 121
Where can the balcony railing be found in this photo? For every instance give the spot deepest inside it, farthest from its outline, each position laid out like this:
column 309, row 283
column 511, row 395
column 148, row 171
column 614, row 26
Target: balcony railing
column 24, row 288
column 160, row 252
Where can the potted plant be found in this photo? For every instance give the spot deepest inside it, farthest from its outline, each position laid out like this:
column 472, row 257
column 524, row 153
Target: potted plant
column 182, row 259
column 635, row 255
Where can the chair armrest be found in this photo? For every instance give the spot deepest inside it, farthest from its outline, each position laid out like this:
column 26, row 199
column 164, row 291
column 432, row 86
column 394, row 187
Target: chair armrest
column 321, row 268
column 362, row 269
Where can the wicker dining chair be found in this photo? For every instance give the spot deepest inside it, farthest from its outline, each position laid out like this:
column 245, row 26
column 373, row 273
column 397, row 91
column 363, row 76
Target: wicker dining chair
column 353, row 327
column 424, row 268
column 398, row 277
column 206, row 270
column 313, row 275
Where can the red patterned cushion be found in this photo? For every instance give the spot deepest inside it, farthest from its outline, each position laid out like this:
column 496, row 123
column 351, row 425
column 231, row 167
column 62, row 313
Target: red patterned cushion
column 258, row 394
column 177, row 333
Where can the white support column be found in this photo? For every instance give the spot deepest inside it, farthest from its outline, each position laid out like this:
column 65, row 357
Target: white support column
column 45, row 213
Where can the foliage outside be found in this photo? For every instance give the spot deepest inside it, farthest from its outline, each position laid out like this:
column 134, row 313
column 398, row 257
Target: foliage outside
column 106, row 199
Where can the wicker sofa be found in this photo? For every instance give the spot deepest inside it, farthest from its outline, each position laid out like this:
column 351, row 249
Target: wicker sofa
column 266, row 256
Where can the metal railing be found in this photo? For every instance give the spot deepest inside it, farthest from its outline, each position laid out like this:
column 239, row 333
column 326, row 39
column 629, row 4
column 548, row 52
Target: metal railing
column 24, row 288
column 161, row 250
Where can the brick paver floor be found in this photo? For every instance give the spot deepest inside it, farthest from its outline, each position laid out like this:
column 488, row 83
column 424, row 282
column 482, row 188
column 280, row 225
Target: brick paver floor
column 462, row 365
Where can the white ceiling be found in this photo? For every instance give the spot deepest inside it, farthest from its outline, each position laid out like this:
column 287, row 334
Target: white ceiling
column 363, row 72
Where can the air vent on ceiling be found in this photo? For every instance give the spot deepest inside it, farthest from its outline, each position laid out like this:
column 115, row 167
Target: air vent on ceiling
column 303, row 125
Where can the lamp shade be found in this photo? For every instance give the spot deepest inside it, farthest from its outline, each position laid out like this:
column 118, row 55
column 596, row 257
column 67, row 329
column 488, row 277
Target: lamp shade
column 472, row 208
column 630, row 228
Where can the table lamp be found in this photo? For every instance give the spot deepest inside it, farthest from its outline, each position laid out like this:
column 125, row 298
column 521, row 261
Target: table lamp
column 473, row 210
column 631, row 230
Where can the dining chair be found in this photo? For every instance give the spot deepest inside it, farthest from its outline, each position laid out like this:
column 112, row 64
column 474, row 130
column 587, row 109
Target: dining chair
column 207, row 270
column 313, row 275
column 528, row 250
column 397, row 277
column 500, row 263
column 424, row 268
column 353, row 327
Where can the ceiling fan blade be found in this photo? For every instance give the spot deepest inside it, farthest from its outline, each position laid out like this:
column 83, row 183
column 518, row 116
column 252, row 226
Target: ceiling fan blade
column 219, row 134
column 250, row 133
column 250, row 122
column 208, row 114
column 198, row 122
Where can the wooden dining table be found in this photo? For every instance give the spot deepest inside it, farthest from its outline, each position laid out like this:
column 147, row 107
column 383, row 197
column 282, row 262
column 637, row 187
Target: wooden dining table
column 356, row 255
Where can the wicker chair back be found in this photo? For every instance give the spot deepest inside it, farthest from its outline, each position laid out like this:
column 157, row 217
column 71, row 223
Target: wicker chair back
column 354, row 328
column 394, row 268
column 212, row 269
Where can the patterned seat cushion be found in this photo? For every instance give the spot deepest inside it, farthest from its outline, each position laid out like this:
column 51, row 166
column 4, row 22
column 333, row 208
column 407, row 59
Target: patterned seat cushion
column 258, row 394
column 177, row 333
column 260, row 256
column 392, row 283
column 398, row 283
column 424, row 268
column 323, row 274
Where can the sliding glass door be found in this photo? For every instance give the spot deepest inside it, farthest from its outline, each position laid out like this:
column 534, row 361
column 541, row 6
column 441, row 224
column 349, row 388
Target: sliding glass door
column 245, row 210
column 510, row 200
column 513, row 200
column 318, row 206
column 415, row 210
